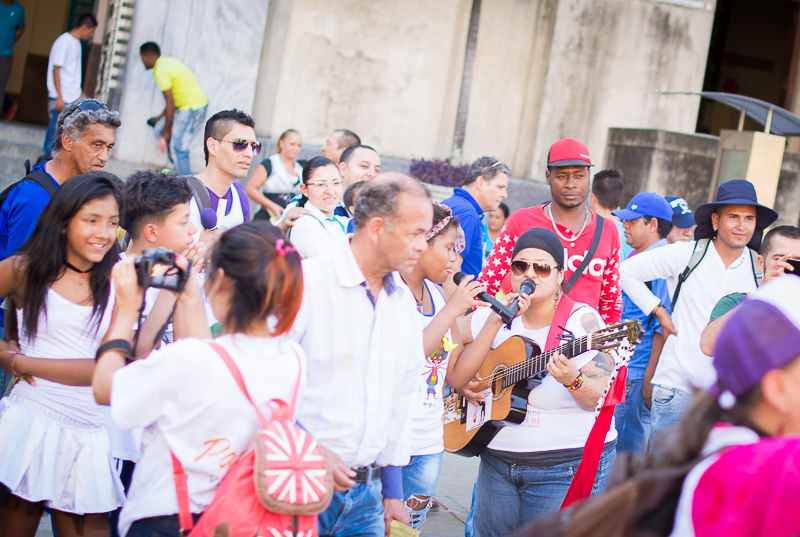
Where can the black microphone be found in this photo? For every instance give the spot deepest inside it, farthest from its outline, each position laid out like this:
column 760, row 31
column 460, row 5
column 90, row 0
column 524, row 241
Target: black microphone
column 526, row 288
column 497, row 307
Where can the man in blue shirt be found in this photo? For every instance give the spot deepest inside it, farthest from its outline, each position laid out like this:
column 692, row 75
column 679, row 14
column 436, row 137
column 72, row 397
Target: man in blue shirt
column 84, row 139
column 647, row 221
column 12, row 24
column 483, row 189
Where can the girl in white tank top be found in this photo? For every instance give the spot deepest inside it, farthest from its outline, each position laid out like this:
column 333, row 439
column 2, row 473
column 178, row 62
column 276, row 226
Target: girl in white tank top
column 54, row 451
column 444, row 360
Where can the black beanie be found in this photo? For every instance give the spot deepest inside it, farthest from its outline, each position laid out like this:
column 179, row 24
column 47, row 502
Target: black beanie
column 541, row 239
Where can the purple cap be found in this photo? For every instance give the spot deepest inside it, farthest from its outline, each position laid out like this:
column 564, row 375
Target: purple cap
column 762, row 334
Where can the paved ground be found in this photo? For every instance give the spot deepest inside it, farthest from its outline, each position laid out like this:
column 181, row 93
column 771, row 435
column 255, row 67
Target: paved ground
column 454, row 490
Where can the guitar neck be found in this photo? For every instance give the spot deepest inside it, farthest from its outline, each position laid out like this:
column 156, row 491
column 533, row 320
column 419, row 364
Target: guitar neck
column 535, row 366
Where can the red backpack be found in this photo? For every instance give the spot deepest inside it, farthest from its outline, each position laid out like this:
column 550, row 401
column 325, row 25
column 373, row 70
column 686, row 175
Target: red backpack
column 276, row 489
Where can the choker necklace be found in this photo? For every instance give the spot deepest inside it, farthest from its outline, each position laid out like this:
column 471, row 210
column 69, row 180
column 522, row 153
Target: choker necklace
column 575, row 236
column 83, row 273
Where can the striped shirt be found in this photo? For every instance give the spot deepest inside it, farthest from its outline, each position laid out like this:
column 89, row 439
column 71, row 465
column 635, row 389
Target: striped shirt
column 364, row 354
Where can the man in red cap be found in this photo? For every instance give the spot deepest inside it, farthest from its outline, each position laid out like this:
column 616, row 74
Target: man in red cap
column 591, row 247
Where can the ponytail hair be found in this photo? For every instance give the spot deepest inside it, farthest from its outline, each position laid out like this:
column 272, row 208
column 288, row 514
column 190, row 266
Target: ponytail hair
column 281, row 138
column 308, row 171
column 265, row 274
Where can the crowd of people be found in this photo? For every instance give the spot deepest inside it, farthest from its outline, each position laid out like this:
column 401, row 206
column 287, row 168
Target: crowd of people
column 341, row 294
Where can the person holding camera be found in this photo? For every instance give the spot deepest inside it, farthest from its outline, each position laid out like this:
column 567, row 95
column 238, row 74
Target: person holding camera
column 184, row 393
column 54, row 450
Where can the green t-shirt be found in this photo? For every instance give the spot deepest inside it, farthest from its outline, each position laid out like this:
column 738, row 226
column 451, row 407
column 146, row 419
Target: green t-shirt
column 726, row 304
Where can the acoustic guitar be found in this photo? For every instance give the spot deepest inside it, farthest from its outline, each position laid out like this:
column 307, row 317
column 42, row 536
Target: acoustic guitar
column 511, row 371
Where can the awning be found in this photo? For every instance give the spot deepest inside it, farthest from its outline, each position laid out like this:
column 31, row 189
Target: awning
column 782, row 122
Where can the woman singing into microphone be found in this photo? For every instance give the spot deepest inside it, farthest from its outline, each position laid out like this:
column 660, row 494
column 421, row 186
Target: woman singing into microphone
column 527, row 468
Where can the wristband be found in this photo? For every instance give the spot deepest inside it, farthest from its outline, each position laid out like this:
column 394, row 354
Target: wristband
column 577, row 383
column 121, row 345
column 13, row 358
column 660, row 305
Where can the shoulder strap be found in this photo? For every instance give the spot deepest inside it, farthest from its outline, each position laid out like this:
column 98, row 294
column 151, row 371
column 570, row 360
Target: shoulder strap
column 199, row 193
column 563, row 311
column 267, row 163
column 699, row 252
column 598, row 231
column 759, row 276
column 181, row 490
column 38, row 176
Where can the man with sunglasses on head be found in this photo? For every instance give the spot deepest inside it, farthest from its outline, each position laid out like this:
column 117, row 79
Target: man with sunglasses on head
column 229, row 145
column 591, row 245
column 186, row 105
column 483, row 190
column 84, row 137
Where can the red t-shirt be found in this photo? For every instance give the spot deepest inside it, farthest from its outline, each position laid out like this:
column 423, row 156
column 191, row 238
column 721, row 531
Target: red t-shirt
column 599, row 284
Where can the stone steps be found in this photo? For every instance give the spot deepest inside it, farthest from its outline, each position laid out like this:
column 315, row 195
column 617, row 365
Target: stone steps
column 22, row 133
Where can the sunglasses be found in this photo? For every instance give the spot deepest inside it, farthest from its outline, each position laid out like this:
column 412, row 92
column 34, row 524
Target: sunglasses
column 240, row 145
column 88, row 106
column 518, row 268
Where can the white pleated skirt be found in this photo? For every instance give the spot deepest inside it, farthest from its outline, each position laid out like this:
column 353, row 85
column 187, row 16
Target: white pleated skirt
column 47, row 456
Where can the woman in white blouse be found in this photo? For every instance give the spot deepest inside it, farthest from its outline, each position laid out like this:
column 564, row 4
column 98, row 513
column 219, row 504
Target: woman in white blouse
column 276, row 179
column 315, row 233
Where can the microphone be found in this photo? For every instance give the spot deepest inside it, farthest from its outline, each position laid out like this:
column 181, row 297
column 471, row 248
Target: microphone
column 208, row 218
column 526, row 288
column 504, row 313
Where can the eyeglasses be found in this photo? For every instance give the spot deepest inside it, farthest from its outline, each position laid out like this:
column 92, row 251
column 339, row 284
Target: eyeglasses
column 518, row 268
column 240, row 144
column 89, row 105
column 325, row 184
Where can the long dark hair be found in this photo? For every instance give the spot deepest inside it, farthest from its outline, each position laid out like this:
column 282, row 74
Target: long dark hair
column 265, row 273
column 308, row 170
column 45, row 254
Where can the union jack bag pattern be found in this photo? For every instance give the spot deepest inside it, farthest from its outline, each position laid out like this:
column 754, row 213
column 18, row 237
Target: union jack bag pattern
column 276, row 489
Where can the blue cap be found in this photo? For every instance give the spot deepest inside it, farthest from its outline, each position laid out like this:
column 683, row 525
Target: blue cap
column 645, row 204
column 681, row 213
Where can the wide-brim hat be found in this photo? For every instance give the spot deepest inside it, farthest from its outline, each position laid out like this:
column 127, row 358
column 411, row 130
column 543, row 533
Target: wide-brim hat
column 735, row 192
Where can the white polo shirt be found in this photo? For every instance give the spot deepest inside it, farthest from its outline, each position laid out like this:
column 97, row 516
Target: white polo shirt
column 682, row 364
column 363, row 361
column 317, row 234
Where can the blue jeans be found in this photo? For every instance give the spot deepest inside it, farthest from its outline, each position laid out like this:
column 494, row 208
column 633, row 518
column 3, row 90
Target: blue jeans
column 632, row 419
column 419, row 482
column 510, row 495
column 668, row 408
column 359, row 511
column 185, row 123
column 50, row 135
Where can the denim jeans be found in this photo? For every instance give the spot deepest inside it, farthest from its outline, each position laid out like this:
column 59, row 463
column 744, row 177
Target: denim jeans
column 359, row 511
column 50, row 135
column 509, row 496
column 158, row 526
column 632, row 419
column 185, row 123
column 669, row 405
column 419, row 479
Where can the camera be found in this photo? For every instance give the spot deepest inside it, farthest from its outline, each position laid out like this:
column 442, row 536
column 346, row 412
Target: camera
column 156, row 268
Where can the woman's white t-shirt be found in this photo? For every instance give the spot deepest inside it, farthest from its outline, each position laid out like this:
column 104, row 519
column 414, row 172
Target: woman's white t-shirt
column 427, row 429
column 553, row 420
column 280, row 181
column 317, row 234
column 191, row 406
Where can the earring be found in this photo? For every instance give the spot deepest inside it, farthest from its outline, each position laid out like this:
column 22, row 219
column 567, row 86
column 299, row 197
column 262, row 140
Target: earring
column 781, row 424
column 557, row 297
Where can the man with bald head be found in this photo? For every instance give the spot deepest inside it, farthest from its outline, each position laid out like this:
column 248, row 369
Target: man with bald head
column 359, row 328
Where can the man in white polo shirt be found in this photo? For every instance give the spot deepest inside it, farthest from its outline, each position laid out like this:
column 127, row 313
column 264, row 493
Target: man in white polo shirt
column 359, row 328
column 64, row 73
column 727, row 230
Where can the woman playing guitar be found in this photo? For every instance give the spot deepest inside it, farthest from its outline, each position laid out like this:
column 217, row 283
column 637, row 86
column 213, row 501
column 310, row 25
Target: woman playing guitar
column 526, row 469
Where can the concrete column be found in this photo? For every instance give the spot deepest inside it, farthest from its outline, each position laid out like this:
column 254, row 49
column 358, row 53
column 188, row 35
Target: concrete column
column 608, row 62
column 220, row 41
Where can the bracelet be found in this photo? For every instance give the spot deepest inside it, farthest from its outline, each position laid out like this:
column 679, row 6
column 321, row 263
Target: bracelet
column 121, row 345
column 13, row 358
column 660, row 305
column 577, row 383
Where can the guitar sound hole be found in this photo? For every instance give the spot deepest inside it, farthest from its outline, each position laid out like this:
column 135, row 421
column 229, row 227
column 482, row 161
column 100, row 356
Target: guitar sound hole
column 496, row 384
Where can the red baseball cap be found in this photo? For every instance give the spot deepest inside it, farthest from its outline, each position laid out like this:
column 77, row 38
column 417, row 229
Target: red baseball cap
column 568, row 152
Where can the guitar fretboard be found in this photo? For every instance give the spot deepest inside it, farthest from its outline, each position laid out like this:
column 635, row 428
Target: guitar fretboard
column 536, row 365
